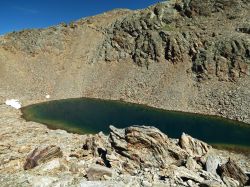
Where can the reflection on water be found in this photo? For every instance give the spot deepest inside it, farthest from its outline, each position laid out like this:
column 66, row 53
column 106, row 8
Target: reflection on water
column 86, row 115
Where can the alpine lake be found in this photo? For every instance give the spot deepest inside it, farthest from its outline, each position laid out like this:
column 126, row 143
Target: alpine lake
column 85, row 115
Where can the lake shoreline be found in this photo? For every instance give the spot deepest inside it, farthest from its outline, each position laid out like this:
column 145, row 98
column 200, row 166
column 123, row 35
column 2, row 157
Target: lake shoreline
column 245, row 124
column 31, row 135
column 168, row 120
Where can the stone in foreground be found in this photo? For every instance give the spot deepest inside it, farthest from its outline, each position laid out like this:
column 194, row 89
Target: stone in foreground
column 232, row 170
column 98, row 172
column 146, row 146
column 40, row 155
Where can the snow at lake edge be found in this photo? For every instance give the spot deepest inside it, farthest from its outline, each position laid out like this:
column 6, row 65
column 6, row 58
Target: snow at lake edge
column 13, row 103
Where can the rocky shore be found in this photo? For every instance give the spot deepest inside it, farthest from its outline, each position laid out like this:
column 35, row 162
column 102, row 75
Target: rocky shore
column 33, row 155
column 184, row 55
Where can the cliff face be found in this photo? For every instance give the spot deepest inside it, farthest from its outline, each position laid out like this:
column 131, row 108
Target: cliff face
column 179, row 55
column 213, row 35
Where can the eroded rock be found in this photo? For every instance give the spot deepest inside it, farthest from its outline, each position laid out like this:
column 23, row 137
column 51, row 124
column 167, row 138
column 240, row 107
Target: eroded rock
column 147, row 146
column 93, row 144
column 154, row 35
column 232, row 170
column 41, row 155
column 193, row 146
column 182, row 174
column 137, row 148
column 231, row 182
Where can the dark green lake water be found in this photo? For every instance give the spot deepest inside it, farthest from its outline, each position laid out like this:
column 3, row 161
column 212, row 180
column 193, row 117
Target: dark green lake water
column 85, row 115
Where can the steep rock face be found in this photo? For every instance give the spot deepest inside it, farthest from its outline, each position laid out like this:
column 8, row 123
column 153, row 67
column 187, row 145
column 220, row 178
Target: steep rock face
column 165, row 32
column 106, row 56
column 192, row 8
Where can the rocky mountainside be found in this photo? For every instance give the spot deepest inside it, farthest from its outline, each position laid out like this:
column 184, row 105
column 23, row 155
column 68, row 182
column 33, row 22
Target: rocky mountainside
column 185, row 55
column 207, row 33
column 182, row 55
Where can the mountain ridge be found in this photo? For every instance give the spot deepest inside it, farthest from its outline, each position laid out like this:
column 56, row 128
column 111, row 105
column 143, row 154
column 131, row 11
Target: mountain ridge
column 183, row 55
column 176, row 55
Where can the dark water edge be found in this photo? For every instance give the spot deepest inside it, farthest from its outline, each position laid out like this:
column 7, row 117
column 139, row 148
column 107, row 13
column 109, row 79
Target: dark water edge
column 233, row 148
column 85, row 115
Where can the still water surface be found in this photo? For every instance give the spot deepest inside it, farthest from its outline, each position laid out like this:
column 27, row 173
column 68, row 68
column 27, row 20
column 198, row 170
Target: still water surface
column 86, row 115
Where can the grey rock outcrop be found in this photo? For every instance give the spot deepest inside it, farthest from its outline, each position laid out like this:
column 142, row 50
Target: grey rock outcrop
column 162, row 33
column 192, row 8
column 193, row 146
column 143, row 149
column 146, row 146
column 133, row 156
column 212, row 164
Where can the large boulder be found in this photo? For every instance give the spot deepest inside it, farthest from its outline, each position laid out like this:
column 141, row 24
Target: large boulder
column 212, row 164
column 147, row 146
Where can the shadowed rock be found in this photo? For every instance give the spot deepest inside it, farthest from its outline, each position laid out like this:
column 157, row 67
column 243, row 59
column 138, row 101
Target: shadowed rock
column 138, row 148
column 232, row 170
column 94, row 143
column 154, row 35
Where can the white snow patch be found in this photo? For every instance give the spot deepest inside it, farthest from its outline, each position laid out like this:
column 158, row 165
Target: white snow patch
column 14, row 103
